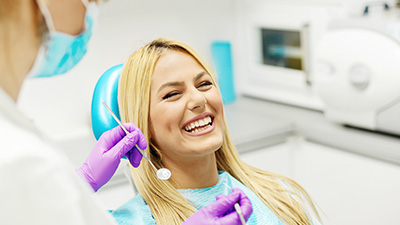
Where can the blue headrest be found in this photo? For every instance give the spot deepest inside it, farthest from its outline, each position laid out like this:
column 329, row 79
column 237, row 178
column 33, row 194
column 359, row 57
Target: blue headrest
column 106, row 90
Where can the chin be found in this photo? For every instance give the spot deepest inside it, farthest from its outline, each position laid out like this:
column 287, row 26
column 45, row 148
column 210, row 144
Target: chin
column 205, row 147
column 215, row 145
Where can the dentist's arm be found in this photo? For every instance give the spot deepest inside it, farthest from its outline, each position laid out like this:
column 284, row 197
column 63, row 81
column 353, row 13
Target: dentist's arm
column 222, row 211
column 106, row 155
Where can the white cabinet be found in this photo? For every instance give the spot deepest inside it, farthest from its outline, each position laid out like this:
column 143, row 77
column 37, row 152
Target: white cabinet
column 349, row 188
column 276, row 158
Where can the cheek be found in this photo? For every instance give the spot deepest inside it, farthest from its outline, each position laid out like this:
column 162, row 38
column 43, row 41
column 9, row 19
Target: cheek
column 158, row 132
column 216, row 103
column 165, row 118
column 215, row 100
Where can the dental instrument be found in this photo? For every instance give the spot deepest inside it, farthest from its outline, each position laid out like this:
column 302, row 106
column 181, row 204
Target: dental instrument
column 237, row 208
column 163, row 173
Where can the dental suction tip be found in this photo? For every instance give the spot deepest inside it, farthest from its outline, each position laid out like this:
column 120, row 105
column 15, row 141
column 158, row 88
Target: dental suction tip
column 163, row 174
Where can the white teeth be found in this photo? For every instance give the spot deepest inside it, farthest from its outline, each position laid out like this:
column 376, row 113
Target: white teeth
column 198, row 125
column 200, row 129
column 202, row 122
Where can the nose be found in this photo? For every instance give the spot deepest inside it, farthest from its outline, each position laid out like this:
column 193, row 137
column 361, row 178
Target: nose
column 196, row 100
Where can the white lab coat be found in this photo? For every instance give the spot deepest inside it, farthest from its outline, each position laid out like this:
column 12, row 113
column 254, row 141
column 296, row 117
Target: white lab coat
column 38, row 185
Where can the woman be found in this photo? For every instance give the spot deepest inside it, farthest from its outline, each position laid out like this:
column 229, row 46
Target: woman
column 170, row 93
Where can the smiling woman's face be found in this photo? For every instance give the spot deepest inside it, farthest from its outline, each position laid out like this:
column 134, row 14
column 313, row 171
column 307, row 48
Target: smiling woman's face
column 186, row 109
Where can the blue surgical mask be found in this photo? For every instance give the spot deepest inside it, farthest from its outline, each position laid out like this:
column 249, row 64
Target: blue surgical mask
column 60, row 52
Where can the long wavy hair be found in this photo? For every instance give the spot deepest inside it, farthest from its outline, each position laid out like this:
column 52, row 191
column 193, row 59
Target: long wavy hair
column 286, row 198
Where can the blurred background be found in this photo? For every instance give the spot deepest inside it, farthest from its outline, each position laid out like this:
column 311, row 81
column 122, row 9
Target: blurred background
column 313, row 92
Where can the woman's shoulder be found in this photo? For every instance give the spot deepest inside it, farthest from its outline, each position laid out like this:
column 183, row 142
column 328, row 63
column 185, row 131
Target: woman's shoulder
column 135, row 211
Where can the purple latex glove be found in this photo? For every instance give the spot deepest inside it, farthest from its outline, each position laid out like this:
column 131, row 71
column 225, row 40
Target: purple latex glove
column 222, row 211
column 106, row 155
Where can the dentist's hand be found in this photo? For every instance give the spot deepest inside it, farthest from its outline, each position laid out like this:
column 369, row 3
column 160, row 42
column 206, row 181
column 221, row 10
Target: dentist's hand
column 106, row 155
column 224, row 209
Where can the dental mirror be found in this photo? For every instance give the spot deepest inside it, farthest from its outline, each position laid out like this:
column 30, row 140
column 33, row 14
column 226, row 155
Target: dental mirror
column 163, row 173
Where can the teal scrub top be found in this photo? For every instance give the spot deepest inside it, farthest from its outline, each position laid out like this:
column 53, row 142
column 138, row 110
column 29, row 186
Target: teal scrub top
column 136, row 211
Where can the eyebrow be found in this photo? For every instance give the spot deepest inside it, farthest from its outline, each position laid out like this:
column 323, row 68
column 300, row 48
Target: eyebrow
column 176, row 83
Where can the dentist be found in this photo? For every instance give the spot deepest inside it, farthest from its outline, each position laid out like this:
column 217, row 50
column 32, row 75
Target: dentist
column 43, row 38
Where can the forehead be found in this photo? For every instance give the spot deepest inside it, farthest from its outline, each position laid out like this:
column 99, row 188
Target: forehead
column 175, row 65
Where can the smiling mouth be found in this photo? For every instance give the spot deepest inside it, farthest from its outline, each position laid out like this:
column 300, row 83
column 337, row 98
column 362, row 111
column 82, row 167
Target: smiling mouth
column 199, row 125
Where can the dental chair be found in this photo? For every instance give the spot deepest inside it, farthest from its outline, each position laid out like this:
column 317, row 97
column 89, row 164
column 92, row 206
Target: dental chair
column 106, row 90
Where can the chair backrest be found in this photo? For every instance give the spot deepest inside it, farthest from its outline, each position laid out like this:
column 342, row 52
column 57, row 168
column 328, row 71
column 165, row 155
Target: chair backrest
column 106, row 90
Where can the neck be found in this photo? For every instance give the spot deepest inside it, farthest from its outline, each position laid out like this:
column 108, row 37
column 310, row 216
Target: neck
column 194, row 173
column 20, row 44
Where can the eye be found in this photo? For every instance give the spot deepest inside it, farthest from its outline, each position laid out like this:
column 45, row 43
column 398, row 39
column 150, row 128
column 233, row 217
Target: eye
column 169, row 95
column 205, row 84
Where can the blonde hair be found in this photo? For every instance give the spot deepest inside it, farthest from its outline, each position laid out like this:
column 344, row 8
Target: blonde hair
column 280, row 194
